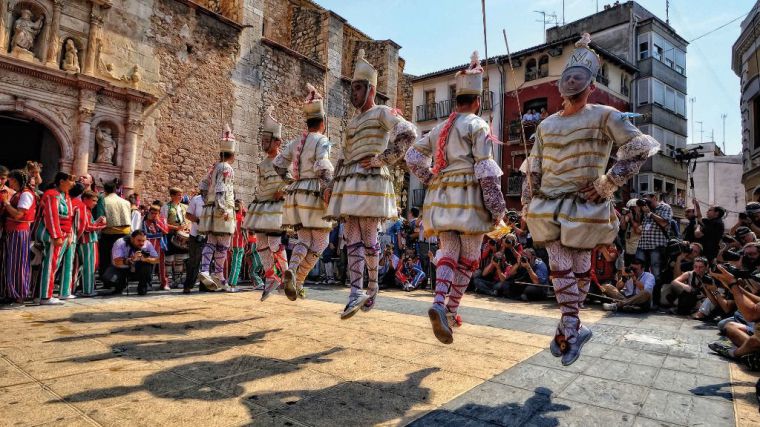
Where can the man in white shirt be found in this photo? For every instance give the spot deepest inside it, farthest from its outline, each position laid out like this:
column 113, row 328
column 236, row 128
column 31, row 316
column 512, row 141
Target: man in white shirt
column 132, row 257
column 633, row 292
column 194, row 245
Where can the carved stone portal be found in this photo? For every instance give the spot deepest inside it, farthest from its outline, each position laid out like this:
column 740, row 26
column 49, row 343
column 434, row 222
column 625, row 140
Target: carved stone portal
column 25, row 31
column 105, row 145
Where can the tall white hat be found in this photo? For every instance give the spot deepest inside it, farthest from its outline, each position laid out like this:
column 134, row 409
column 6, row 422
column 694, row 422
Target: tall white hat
column 583, row 57
column 313, row 107
column 470, row 81
column 271, row 125
column 363, row 70
column 227, row 144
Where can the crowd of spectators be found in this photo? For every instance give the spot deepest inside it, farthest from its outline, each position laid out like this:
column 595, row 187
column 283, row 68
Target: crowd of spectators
column 85, row 239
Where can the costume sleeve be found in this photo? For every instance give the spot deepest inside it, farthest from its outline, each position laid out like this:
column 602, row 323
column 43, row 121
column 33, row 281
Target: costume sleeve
column 80, row 220
column 322, row 165
column 531, row 167
column 50, row 216
column 285, row 158
column 419, row 158
column 635, row 148
column 402, row 135
column 482, row 150
column 91, row 226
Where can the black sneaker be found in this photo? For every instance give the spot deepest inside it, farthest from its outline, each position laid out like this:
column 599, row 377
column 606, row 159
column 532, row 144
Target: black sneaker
column 721, row 348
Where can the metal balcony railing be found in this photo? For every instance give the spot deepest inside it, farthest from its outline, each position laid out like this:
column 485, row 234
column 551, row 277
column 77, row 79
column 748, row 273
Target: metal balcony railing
column 446, row 107
column 426, row 112
column 602, row 79
column 514, row 185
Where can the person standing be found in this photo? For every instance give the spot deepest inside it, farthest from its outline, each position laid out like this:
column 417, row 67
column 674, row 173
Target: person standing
column 306, row 197
column 86, row 234
column 56, row 235
column 194, row 245
column 362, row 194
column 18, row 212
column 709, row 230
column 655, row 228
column 264, row 217
column 217, row 219
column 118, row 213
column 155, row 228
column 464, row 198
column 567, row 205
column 174, row 214
column 239, row 241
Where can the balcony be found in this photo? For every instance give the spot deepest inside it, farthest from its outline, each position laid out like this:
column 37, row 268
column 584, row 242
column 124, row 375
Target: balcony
column 426, row 112
column 487, row 103
column 446, row 107
column 536, row 74
column 514, row 185
column 663, row 165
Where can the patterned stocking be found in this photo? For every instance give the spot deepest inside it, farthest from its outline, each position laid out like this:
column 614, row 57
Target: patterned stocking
column 565, row 288
column 447, row 265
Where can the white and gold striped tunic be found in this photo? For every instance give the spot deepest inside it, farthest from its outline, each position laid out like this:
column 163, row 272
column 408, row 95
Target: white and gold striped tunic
column 570, row 153
column 361, row 192
column 265, row 212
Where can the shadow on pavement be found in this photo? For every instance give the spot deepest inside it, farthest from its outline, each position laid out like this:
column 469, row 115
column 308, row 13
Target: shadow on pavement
column 210, row 378
column 114, row 316
column 156, row 350
column 535, row 411
column 180, row 328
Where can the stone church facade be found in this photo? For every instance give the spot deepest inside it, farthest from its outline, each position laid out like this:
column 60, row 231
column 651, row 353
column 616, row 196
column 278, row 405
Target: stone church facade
column 140, row 90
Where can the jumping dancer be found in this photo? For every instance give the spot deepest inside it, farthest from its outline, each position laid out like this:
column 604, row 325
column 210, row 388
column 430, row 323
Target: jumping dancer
column 305, row 200
column 265, row 212
column 567, row 195
column 464, row 199
column 218, row 216
column 363, row 195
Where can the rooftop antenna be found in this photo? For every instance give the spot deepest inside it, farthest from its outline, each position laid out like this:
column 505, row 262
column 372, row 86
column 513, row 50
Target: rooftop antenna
column 563, row 12
column 667, row 12
column 544, row 20
column 723, row 117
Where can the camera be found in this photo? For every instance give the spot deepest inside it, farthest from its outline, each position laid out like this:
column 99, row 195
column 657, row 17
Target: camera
column 624, row 211
column 523, row 259
column 743, row 215
column 492, row 242
column 513, row 216
column 727, row 238
column 641, row 203
column 676, row 246
column 628, row 270
column 729, row 255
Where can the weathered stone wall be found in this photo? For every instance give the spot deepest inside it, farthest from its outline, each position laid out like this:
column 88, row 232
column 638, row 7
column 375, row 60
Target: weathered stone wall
column 278, row 15
column 182, row 144
column 405, row 92
column 306, row 33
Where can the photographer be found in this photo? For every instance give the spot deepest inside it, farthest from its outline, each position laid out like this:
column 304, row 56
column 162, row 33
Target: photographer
column 655, row 230
column 133, row 258
column 752, row 219
column 511, row 249
column 531, row 269
column 409, row 273
column 387, row 267
column 631, row 223
column 605, row 263
column 684, row 261
column 688, row 231
column 493, row 270
column 633, row 291
column 709, row 230
column 748, row 258
column 746, row 344
column 685, row 290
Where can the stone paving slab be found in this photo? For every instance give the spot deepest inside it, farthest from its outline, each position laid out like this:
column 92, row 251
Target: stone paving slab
column 229, row 360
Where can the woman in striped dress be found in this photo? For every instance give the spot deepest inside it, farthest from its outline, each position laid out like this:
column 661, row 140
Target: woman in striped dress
column 87, row 240
column 239, row 240
column 19, row 215
column 55, row 233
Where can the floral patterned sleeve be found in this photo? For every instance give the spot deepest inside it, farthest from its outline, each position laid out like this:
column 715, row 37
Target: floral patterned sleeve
column 532, row 170
column 402, row 135
column 419, row 158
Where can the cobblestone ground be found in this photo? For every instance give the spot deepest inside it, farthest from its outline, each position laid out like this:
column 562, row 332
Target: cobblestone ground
column 229, row 360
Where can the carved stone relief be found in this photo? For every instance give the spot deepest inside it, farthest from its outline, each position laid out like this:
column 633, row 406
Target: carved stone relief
column 70, row 57
column 25, row 31
column 105, row 144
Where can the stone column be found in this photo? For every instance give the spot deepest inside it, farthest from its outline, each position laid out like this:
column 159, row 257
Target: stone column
column 87, row 101
column 3, row 27
column 54, row 43
column 129, row 153
column 96, row 30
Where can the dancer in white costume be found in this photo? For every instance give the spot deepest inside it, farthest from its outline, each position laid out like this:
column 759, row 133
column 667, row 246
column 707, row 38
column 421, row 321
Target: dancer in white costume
column 363, row 195
column 308, row 159
column 264, row 215
column 567, row 194
column 464, row 199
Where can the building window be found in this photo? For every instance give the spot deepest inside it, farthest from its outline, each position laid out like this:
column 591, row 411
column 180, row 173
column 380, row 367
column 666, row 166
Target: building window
column 658, row 51
column 643, row 91
column 643, row 50
column 680, row 62
column 531, row 70
column 624, row 85
column 543, row 66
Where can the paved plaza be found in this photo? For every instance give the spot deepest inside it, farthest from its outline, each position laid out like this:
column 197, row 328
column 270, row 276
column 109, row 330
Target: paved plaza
column 230, row 360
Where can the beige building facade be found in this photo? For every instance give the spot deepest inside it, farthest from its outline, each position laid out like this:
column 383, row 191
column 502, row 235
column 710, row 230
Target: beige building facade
column 140, row 90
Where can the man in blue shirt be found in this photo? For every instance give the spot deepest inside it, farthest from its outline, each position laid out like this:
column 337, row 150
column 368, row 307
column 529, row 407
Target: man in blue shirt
column 633, row 292
column 529, row 268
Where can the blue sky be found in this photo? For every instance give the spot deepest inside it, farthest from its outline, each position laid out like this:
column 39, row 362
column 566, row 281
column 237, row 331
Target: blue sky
column 436, row 34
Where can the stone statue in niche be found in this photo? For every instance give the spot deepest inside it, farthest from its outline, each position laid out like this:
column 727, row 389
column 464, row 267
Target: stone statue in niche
column 71, row 57
column 24, row 32
column 134, row 75
column 106, row 145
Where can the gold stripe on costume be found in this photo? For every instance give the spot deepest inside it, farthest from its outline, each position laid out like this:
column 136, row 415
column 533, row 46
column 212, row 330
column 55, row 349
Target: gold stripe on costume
column 267, row 213
column 573, row 141
column 454, row 206
column 544, row 135
column 363, row 193
column 454, row 173
column 452, row 184
column 477, row 159
column 551, row 215
column 363, row 129
column 563, row 171
column 313, row 208
column 379, row 136
column 572, row 156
